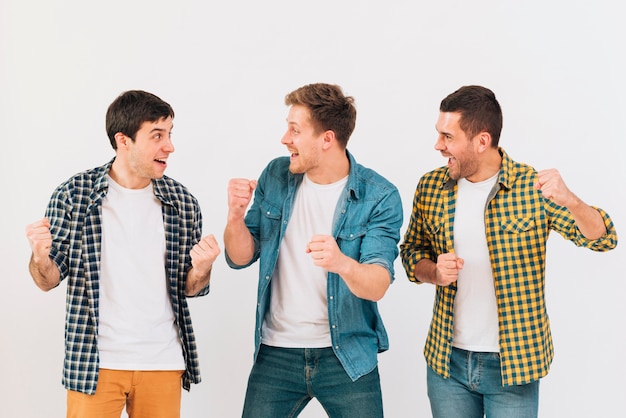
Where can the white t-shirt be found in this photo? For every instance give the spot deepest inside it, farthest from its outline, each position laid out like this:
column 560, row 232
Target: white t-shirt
column 298, row 313
column 136, row 322
column 475, row 307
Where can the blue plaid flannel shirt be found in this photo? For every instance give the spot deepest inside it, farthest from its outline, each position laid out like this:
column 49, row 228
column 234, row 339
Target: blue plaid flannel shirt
column 74, row 212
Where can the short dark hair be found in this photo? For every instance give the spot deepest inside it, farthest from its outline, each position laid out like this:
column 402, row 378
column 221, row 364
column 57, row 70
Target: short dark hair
column 479, row 109
column 132, row 108
column 330, row 109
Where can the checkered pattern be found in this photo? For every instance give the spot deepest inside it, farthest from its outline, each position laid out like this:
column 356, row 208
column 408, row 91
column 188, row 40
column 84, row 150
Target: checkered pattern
column 518, row 220
column 74, row 211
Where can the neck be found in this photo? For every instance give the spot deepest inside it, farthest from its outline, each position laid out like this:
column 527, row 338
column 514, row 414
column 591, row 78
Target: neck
column 334, row 167
column 121, row 175
column 489, row 165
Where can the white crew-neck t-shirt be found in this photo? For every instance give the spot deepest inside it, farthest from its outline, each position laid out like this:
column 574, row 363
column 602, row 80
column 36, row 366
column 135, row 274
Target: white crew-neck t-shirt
column 136, row 322
column 475, row 307
column 298, row 314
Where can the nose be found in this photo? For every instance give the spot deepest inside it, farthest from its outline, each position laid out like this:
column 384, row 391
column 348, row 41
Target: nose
column 439, row 145
column 285, row 139
column 169, row 146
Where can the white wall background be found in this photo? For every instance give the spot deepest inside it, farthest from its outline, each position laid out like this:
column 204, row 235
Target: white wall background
column 557, row 68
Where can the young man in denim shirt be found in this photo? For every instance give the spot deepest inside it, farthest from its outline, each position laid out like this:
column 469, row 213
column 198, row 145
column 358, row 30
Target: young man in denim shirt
column 326, row 231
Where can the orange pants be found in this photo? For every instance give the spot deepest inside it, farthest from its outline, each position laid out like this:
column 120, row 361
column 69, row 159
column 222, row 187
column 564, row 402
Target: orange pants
column 145, row 394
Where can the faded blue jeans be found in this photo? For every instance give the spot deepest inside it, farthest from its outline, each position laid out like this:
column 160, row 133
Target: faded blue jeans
column 284, row 380
column 474, row 390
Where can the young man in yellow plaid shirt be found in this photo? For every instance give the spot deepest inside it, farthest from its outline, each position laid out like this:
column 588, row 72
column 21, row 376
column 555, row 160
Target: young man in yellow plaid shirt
column 478, row 231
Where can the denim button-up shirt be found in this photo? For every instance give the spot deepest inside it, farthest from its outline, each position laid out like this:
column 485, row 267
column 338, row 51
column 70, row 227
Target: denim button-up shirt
column 366, row 226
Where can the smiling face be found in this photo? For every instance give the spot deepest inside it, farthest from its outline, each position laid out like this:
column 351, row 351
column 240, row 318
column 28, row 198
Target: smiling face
column 452, row 142
column 303, row 141
column 145, row 158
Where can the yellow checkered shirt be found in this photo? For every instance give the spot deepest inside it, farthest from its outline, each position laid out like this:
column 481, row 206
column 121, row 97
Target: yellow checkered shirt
column 518, row 220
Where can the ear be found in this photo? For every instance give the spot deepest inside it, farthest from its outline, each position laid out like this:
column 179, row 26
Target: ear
column 121, row 140
column 329, row 139
column 484, row 141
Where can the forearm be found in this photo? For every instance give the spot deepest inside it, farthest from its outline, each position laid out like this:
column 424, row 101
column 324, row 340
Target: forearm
column 588, row 220
column 426, row 271
column 238, row 242
column 44, row 272
column 196, row 281
column 366, row 281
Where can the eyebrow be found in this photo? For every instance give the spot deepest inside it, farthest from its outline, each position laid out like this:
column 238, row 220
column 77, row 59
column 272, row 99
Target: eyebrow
column 441, row 132
column 161, row 129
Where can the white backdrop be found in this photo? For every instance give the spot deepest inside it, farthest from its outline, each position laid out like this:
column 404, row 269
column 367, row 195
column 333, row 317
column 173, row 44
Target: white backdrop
column 556, row 67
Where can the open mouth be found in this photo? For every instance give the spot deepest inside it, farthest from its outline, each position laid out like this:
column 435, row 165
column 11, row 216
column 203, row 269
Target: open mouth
column 161, row 161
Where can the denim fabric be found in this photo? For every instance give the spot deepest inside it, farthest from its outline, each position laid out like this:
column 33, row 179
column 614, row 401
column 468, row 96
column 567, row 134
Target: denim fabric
column 284, row 380
column 474, row 390
column 366, row 226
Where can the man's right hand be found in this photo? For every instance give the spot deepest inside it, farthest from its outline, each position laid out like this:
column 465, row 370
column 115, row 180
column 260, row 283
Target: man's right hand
column 240, row 192
column 44, row 272
column 39, row 238
column 448, row 266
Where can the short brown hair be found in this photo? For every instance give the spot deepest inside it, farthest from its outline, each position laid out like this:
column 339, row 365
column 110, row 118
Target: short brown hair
column 132, row 108
column 330, row 109
column 479, row 109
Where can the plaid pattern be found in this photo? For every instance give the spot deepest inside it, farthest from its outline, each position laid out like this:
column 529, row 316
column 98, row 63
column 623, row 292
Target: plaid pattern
column 518, row 220
column 74, row 211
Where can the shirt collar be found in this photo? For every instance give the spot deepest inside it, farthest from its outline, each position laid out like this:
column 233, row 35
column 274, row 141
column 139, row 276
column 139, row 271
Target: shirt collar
column 161, row 191
column 353, row 183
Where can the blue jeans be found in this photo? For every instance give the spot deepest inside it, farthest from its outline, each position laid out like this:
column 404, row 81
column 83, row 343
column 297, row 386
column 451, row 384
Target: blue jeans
column 474, row 390
column 284, row 380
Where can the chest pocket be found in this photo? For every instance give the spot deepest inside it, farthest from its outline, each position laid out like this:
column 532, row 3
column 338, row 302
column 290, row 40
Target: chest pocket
column 436, row 230
column 349, row 240
column 271, row 216
column 434, row 227
column 517, row 226
column 524, row 242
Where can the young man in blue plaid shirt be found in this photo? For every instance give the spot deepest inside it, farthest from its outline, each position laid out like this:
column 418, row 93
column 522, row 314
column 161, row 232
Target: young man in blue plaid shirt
column 128, row 240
